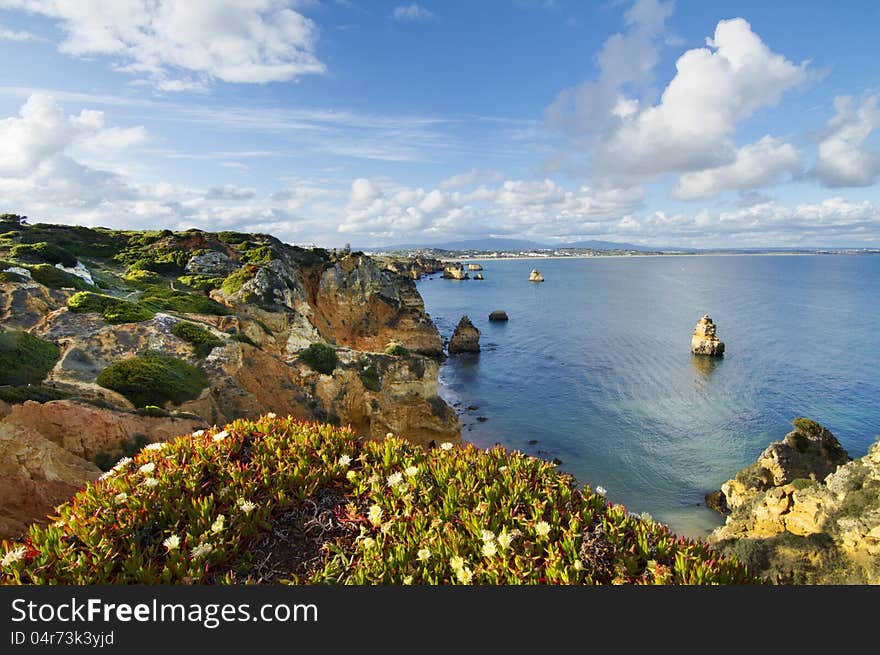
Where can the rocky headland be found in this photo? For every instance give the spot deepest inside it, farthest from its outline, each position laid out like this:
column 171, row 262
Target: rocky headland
column 804, row 512
column 112, row 339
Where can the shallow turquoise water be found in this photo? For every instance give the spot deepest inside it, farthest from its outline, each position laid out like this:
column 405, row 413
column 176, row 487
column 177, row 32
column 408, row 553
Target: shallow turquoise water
column 595, row 365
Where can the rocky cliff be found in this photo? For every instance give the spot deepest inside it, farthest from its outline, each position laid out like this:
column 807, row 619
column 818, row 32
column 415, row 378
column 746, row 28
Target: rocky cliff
column 804, row 513
column 147, row 335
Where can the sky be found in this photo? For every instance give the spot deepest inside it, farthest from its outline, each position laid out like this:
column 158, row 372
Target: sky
column 689, row 123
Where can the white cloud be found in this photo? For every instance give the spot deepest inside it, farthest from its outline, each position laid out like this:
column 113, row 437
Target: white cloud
column 846, row 158
column 180, row 45
column 754, row 166
column 16, row 35
column 473, row 176
column 411, row 13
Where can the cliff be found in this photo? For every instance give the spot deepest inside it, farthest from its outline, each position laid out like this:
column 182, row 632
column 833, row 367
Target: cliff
column 804, row 513
column 147, row 335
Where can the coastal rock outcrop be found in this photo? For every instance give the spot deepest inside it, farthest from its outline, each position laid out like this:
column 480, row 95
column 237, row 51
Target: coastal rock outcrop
column 805, row 512
column 499, row 315
column 466, row 338
column 413, row 267
column 455, row 272
column 704, row 340
column 475, row 267
column 535, row 276
column 478, row 276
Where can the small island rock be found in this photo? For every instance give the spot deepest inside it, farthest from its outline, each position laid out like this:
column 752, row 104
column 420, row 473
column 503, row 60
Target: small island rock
column 498, row 315
column 705, row 341
column 455, row 272
column 466, row 338
column 475, row 267
column 535, row 276
column 478, row 276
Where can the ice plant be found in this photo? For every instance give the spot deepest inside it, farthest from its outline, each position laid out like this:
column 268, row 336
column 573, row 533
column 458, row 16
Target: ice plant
column 489, row 549
column 150, row 483
column 395, row 479
column 147, row 468
column 220, row 436
column 411, row 471
column 159, row 445
column 13, row 556
column 446, row 445
column 375, row 515
column 218, row 525
column 120, row 498
column 202, row 550
column 246, row 506
column 542, row 528
column 504, row 540
column 172, row 542
column 487, row 535
column 424, row 554
column 344, row 460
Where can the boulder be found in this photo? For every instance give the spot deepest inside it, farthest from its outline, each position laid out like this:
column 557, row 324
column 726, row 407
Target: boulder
column 535, row 276
column 475, row 267
column 478, row 276
column 211, row 263
column 498, row 315
column 704, row 340
column 455, row 272
column 466, row 338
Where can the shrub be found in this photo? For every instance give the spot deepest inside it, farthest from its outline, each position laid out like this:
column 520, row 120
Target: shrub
column 18, row 395
column 141, row 278
column 235, row 280
column 808, row 427
column 183, row 302
column 241, row 337
column 7, row 276
column 261, row 255
column 55, row 278
column 43, row 252
column 114, row 310
column 369, row 375
column 392, row 513
column 154, row 379
column 203, row 340
column 396, row 350
column 320, row 357
column 201, row 282
column 25, row 359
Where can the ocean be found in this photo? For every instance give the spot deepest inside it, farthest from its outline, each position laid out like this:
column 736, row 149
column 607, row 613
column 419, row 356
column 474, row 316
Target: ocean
column 594, row 367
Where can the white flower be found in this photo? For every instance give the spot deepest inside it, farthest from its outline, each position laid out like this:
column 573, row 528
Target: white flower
column 489, row 549
column 149, row 483
column 388, row 435
column 220, row 436
column 464, row 575
column 218, row 525
column 108, row 474
column 271, row 415
column 542, row 528
column 601, row 490
column 375, row 514
column 159, row 445
column 408, row 580
column 344, row 460
column 424, row 554
column 502, row 468
column 351, row 475
column 59, row 523
column 202, row 550
column 504, row 540
column 199, row 433
column 122, row 463
column 395, row 479
column 246, row 506
column 578, row 565
column 487, row 535
column 456, row 562
column 147, row 468
column 121, row 498
column 172, row 542
column 369, row 542
column 411, row 471
column 373, row 479
column 403, row 487
column 446, row 445
column 13, row 556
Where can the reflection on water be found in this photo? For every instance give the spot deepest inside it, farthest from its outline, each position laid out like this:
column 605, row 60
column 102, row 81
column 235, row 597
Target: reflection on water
column 705, row 366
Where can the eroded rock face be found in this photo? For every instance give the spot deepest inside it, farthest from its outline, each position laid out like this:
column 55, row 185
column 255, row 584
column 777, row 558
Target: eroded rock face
column 805, row 513
column 455, row 272
column 211, row 263
column 704, row 340
column 535, row 276
column 465, row 339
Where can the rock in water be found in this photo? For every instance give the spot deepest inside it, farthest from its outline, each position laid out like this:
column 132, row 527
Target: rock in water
column 704, row 341
column 498, row 315
column 478, row 276
column 475, row 267
column 455, row 272
column 466, row 338
column 535, row 276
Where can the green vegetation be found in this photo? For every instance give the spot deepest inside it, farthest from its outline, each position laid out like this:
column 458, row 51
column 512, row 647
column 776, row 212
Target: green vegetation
column 801, row 483
column 241, row 337
column 7, row 276
column 261, row 255
column 209, row 509
column 201, row 282
column 114, row 310
column 170, row 300
column 808, row 427
column 154, row 379
column 18, row 395
column 235, row 280
column 203, row 340
column 25, row 359
column 320, row 357
column 55, row 278
column 396, row 350
column 49, row 253
column 128, row 448
column 140, row 278
column 369, row 375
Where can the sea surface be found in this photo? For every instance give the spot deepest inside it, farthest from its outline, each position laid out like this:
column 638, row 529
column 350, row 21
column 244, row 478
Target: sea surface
column 595, row 365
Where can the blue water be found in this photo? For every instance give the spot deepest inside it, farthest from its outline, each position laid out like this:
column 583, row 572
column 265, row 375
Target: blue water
column 595, row 365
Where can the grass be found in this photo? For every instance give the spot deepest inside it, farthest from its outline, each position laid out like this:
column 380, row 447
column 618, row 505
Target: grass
column 154, row 379
column 235, row 280
column 55, row 278
column 114, row 310
column 167, row 299
column 201, row 282
column 202, row 340
column 24, row 358
column 42, row 252
column 282, row 501
column 320, row 357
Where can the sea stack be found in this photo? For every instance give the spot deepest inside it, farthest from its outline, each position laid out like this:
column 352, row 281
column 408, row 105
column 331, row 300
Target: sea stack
column 465, row 339
column 455, row 272
column 704, row 341
column 535, row 276
column 475, row 267
column 498, row 315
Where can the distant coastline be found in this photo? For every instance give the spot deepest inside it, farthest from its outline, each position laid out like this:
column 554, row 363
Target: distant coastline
column 487, row 258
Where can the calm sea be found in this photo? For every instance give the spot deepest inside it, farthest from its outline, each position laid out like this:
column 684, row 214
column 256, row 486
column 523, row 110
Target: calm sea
column 595, row 366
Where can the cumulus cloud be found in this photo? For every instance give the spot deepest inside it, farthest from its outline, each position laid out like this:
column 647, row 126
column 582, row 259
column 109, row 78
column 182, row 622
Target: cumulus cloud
column 411, row 14
column 846, row 157
column 16, row 35
column 180, row 45
column 473, row 176
column 754, row 166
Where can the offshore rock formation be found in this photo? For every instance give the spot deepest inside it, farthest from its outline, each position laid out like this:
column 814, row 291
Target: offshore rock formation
column 705, row 341
column 804, row 513
column 455, row 272
column 475, row 267
column 412, row 267
column 465, row 339
column 254, row 303
column 499, row 315
column 535, row 276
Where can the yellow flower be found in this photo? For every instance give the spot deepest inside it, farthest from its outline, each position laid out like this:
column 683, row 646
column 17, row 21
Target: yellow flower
column 375, row 515
column 351, row 475
column 369, row 542
column 504, row 540
column 408, row 580
column 578, row 565
column 218, row 525
column 456, row 562
column 464, row 575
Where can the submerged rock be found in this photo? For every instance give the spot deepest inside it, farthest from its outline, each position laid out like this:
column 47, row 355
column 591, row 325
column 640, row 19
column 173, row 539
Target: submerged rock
column 705, row 341
column 535, row 276
column 498, row 315
column 466, row 338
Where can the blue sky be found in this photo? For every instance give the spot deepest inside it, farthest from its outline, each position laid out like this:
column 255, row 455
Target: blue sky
column 715, row 124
